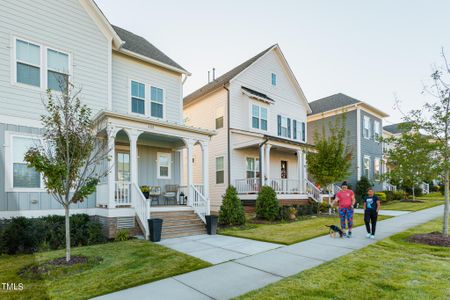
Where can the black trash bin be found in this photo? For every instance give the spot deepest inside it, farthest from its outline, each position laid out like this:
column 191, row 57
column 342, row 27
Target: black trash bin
column 155, row 226
column 211, row 224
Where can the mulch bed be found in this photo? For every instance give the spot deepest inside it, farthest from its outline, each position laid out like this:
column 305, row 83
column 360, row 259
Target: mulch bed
column 432, row 239
column 44, row 268
column 412, row 201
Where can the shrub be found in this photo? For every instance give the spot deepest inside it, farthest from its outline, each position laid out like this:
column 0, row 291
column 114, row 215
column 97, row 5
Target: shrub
column 389, row 195
column 122, row 235
column 361, row 188
column 27, row 235
column 417, row 191
column 267, row 207
column 382, row 196
column 324, row 207
column 231, row 211
column 398, row 195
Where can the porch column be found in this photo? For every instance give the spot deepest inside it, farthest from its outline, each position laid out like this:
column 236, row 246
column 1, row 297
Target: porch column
column 262, row 162
column 300, row 169
column 180, row 153
column 304, row 168
column 205, row 173
column 111, row 132
column 190, row 180
column 268, row 146
column 133, row 136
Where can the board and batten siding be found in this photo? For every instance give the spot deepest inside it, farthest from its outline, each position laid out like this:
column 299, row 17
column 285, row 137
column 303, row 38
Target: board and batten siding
column 258, row 77
column 203, row 114
column 14, row 201
column 125, row 69
column 65, row 26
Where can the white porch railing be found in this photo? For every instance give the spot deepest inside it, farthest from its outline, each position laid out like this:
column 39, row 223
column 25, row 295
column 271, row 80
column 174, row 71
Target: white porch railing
column 200, row 188
column 285, row 186
column 199, row 203
column 142, row 208
column 312, row 191
column 102, row 194
column 336, row 189
column 247, row 186
column 425, row 188
column 122, row 193
column 389, row 187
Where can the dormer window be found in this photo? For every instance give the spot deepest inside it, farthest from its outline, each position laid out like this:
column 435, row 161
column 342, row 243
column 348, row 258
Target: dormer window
column 274, row 79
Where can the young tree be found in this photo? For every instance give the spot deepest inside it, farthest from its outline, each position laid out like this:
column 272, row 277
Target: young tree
column 331, row 160
column 412, row 158
column 71, row 152
column 433, row 119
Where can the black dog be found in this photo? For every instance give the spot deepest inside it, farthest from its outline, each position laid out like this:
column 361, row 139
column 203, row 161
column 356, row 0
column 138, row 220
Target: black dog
column 334, row 229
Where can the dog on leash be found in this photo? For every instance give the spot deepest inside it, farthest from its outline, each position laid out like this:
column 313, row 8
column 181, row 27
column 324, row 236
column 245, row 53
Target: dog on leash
column 334, row 230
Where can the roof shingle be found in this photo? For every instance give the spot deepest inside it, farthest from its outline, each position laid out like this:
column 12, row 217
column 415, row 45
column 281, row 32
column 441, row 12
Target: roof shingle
column 332, row 102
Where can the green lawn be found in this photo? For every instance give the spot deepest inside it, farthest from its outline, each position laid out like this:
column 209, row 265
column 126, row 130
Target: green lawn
column 430, row 200
column 123, row 265
column 389, row 269
column 289, row 232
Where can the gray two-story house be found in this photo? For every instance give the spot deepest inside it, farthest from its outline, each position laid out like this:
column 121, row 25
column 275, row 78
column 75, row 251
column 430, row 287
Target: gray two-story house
column 364, row 125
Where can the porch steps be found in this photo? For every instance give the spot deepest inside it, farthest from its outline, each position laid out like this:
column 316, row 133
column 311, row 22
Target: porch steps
column 179, row 223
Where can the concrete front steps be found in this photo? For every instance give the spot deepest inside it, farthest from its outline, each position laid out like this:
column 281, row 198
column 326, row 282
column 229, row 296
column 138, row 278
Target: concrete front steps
column 179, row 223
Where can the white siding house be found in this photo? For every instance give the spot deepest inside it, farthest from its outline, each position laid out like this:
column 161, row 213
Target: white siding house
column 135, row 93
column 262, row 141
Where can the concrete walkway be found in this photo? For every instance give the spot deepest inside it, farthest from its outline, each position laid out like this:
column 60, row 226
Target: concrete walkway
column 243, row 274
column 385, row 212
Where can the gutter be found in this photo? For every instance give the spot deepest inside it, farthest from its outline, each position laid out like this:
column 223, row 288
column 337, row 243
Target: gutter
column 228, row 135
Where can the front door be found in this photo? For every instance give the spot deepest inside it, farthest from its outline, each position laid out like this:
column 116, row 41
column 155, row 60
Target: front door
column 284, row 169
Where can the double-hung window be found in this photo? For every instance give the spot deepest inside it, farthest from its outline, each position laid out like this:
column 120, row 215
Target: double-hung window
column 376, row 130
column 164, row 161
column 252, row 166
column 377, row 168
column 299, row 130
column 28, row 63
column 366, row 129
column 137, row 97
column 284, row 126
column 23, row 175
column 220, row 170
column 367, row 166
column 123, row 166
column 303, row 132
column 57, row 70
column 259, row 117
column 157, row 102
column 219, row 118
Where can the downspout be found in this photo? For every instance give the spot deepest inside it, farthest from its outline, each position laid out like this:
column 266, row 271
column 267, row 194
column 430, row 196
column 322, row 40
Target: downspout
column 228, row 135
column 261, row 181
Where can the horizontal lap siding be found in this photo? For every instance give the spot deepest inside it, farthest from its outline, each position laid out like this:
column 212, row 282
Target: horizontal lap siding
column 64, row 25
column 126, row 69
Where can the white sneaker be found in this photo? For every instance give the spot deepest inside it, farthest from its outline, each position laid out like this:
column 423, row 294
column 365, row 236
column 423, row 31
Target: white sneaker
column 372, row 236
column 368, row 235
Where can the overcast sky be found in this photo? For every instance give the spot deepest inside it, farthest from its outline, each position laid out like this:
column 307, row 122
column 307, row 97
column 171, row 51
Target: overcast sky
column 368, row 50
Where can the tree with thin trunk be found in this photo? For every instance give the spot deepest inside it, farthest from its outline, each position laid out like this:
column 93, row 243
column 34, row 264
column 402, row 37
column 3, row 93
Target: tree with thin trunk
column 433, row 119
column 331, row 160
column 412, row 158
column 71, row 156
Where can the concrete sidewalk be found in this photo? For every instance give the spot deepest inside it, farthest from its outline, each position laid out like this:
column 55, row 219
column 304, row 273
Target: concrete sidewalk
column 385, row 212
column 241, row 275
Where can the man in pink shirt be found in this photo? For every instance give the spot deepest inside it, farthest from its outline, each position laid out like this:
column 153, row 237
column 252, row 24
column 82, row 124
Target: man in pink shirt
column 346, row 200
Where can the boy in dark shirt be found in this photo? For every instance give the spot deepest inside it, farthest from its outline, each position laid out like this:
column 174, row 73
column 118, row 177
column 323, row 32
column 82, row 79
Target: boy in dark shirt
column 371, row 208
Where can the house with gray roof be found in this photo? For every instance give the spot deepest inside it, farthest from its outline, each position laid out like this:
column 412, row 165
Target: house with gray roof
column 364, row 125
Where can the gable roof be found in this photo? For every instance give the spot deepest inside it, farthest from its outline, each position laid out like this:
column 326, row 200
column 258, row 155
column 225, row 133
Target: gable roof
column 224, row 79
column 140, row 45
column 396, row 128
column 332, row 102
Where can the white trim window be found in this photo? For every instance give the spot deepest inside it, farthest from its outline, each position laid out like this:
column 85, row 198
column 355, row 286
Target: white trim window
column 259, row 117
column 219, row 118
column 366, row 166
column 366, row 127
column 377, row 168
column 57, row 70
column 164, row 162
column 220, row 170
column 376, row 130
column 252, row 167
column 274, row 79
column 157, row 102
column 27, row 63
column 137, row 97
column 23, row 177
column 123, row 166
column 284, row 126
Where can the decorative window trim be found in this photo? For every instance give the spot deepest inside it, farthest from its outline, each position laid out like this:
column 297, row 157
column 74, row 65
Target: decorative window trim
column 219, row 170
column 9, row 169
column 158, row 170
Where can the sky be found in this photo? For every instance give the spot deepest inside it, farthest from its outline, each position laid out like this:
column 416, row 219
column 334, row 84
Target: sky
column 375, row 51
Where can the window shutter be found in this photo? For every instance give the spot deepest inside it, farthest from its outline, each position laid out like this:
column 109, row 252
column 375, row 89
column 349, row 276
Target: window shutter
column 289, row 127
column 294, row 125
column 279, row 125
column 303, row 131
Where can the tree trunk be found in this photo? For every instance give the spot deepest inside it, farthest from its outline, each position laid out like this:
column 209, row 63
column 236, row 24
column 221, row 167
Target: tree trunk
column 446, row 206
column 329, row 199
column 414, row 194
column 66, row 208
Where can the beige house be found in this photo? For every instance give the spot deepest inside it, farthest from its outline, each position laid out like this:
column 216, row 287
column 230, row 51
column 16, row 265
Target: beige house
column 259, row 113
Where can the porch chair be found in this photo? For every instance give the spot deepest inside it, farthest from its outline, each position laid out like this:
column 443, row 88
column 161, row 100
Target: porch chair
column 155, row 192
column 171, row 193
